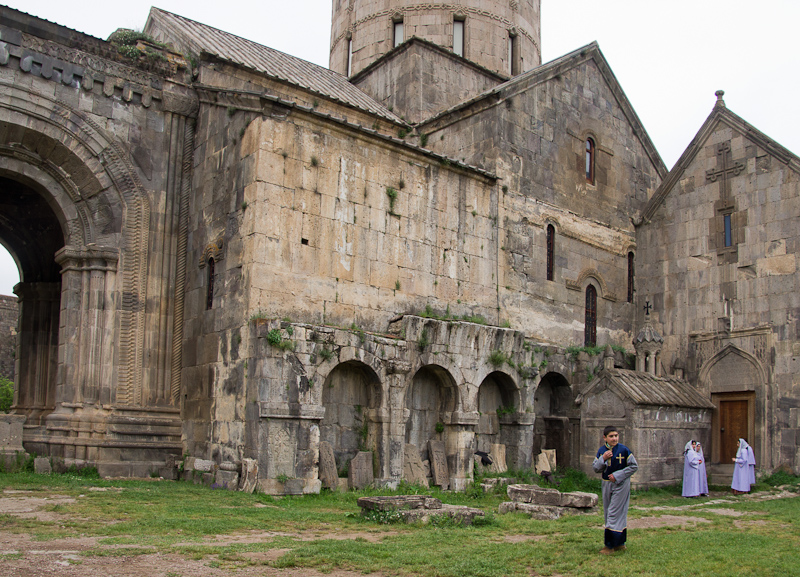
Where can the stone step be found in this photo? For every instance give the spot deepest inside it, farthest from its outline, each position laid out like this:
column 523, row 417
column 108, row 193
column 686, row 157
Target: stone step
column 720, row 474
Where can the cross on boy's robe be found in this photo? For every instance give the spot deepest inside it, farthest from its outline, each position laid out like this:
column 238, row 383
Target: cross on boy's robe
column 616, row 493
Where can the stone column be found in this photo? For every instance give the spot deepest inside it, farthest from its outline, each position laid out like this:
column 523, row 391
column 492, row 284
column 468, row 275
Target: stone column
column 88, row 324
column 394, row 428
column 37, row 349
column 516, row 433
column 459, row 446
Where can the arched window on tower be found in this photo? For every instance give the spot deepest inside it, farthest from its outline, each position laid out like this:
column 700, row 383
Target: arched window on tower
column 590, row 322
column 590, row 149
column 210, row 285
column 551, row 248
column 630, row 277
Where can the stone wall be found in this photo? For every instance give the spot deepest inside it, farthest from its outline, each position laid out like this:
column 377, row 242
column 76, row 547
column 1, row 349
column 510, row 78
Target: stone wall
column 532, row 134
column 9, row 318
column 729, row 314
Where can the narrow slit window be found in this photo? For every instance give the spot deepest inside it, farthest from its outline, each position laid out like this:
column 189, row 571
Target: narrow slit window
column 513, row 56
column 458, row 37
column 551, row 241
column 728, row 233
column 210, row 286
column 349, row 56
column 590, row 323
column 630, row 277
column 398, row 33
column 590, row 149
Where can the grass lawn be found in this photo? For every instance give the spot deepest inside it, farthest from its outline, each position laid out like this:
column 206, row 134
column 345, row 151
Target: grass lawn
column 749, row 536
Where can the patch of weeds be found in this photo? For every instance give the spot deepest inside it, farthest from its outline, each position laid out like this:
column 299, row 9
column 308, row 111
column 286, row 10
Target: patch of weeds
column 505, row 188
column 392, row 194
column 401, row 134
column 314, row 161
column 423, row 140
column 506, row 324
column 423, row 340
column 231, row 110
column 244, row 205
column 440, row 427
column 397, row 285
column 326, row 354
column 275, row 339
column 382, row 517
column 6, row 394
column 497, row 358
column 359, row 332
column 574, row 351
column 506, row 410
column 258, row 316
column 282, row 478
column 401, row 184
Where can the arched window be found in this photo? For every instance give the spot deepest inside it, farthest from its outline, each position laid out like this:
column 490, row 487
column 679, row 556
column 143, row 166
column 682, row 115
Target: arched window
column 551, row 243
column 590, row 323
column 630, row 277
column 210, row 285
column 590, row 160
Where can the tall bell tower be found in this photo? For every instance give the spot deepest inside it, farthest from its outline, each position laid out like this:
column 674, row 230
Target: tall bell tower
column 501, row 35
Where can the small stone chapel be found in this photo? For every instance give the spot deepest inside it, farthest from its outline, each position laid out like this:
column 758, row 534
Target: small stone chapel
column 290, row 274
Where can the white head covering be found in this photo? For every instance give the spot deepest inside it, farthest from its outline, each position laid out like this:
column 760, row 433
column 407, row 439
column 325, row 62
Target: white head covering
column 741, row 452
column 688, row 446
column 698, row 449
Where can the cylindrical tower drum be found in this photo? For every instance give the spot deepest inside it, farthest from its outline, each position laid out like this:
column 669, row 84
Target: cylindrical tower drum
column 501, row 35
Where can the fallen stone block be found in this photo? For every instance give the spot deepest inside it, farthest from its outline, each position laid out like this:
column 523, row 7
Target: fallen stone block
column 227, row 480
column 418, row 508
column 534, row 494
column 41, row 466
column 540, row 512
column 578, row 499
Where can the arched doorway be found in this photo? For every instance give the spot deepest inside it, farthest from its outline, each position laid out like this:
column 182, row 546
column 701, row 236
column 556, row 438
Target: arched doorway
column 557, row 424
column 32, row 233
column 432, row 394
column 350, row 392
column 497, row 398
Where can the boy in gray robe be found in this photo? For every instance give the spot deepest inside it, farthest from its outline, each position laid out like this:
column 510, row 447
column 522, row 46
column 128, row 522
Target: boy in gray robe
column 616, row 463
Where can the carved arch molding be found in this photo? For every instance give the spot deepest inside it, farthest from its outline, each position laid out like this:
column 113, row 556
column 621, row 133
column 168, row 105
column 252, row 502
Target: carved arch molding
column 98, row 197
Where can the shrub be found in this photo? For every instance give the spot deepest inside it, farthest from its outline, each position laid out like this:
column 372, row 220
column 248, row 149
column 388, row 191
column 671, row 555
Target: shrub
column 6, row 394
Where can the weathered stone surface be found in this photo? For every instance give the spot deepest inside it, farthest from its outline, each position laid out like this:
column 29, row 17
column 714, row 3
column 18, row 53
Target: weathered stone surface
column 327, row 466
column 398, row 502
column 578, row 499
column 418, row 508
column 227, row 479
column 490, row 483
column 498, row 454
column 360, row 473
column 540, row 512
column 41, row 465
column 11, row 432
column 249, row 478
column 413, row 469
column 201, row 465
column 438, row 458
column 534, row 494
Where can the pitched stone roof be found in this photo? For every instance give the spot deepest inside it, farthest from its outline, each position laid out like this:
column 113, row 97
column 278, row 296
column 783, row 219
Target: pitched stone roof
column 191, row 36
column 559, row 66
column 719, row 115
column 646, row 389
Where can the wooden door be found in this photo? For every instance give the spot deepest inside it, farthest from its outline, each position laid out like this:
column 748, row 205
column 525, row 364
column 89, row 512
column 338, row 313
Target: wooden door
column 733, row 417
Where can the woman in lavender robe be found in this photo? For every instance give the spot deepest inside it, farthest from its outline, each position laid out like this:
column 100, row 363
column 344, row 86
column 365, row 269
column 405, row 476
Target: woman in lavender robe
column 751, row 463
column 701, row 470
column 741, row 468
column 691, row 478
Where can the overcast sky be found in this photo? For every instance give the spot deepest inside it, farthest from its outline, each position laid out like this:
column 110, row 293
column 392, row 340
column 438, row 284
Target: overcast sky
column 669, row 56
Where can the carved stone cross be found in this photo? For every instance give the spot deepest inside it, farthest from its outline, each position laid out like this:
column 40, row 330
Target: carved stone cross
column 725, row 167
column 647, row 307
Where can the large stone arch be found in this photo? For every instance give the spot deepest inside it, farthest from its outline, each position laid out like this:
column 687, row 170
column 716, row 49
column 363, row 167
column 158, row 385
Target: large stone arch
column 351, row 396
column 557, row 424
column 84, row 175
column 430, row 400
column 737, row 381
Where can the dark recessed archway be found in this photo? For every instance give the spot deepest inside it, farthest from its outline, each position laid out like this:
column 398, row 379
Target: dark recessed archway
column 557, row 424
column 432, row 393
column 32, row 233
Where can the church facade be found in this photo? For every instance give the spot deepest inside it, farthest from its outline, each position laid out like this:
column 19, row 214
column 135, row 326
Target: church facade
column 230, row 253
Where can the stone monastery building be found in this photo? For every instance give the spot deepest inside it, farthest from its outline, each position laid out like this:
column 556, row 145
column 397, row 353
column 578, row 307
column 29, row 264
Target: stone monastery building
column 229, row 253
